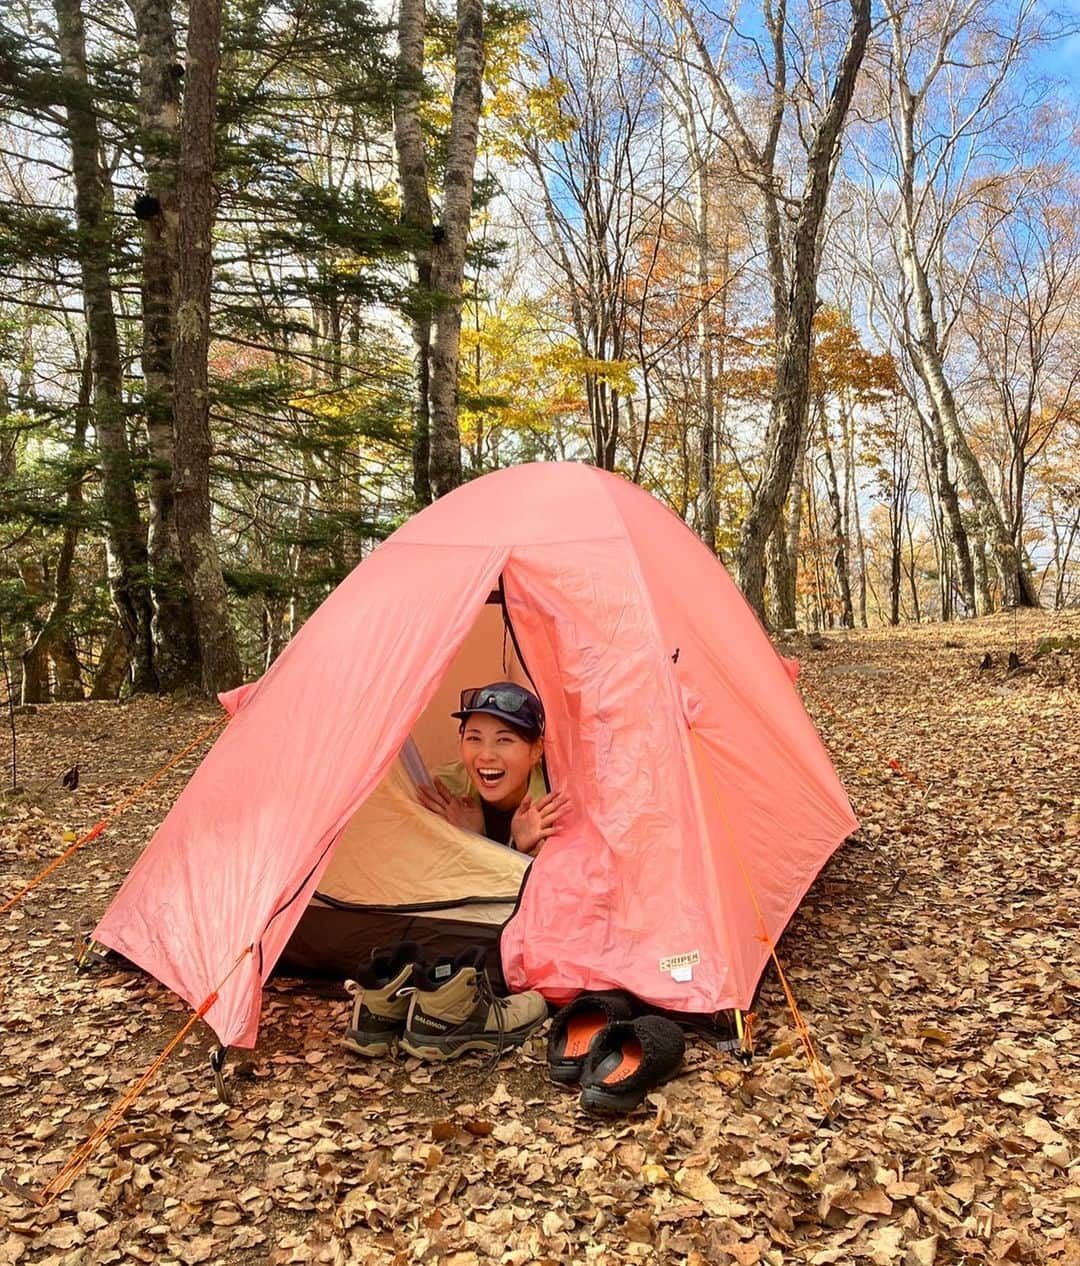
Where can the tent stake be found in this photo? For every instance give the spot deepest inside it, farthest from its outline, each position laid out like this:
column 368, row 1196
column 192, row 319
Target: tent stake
column 218, row 1057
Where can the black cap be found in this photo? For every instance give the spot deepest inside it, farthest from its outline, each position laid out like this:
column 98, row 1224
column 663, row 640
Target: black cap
column 509, row 702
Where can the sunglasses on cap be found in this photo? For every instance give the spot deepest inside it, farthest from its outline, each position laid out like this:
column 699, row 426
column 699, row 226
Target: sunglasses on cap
column 513, row 702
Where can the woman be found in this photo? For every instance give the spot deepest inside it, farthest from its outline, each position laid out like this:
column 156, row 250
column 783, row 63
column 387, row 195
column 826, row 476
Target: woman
column 498, row 789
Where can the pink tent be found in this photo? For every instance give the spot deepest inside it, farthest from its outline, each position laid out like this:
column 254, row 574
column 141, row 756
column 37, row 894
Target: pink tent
column 704, row 801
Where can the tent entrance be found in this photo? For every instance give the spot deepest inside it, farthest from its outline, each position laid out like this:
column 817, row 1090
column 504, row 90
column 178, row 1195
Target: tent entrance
column 400, row 872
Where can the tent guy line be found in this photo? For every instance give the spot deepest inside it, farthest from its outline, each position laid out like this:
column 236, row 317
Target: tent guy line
column 100, row 826
column 861, row 734
column 57, row 1185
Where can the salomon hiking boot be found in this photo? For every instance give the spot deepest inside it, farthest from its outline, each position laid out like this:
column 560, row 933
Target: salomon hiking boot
column 379, row 1003
column 453, row 1010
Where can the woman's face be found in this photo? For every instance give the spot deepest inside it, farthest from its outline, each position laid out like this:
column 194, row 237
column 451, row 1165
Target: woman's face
column 499, row 759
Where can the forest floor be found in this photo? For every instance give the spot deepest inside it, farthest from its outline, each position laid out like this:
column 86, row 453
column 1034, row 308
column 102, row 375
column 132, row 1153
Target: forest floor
column 935, row 960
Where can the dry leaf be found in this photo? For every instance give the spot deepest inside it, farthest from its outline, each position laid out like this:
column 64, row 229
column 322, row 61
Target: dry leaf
column 885, row 1245
column 1041, row 1131
column 873, row 1201
column 328, row 1159
column 697, row 1184
column 921, row 1252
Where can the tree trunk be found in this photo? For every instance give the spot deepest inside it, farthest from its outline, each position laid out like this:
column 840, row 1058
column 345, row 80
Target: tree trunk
column 983, row 603
column 820, row 587
column 912, row 579
column 417, row 217
column 125, row 539
column 840, row 554
column 707, row 523
column 895, row 568
column 54, row 640
column 928, row 358
column 448, row 255
column 112, row 666
column 784, row 544
column 1016, row 587
column 440, row 266
column 176, row 648
column 202, row 566
column 939, row 536
column 851, row 498
column 35, row 658
column 950, row 505
column 791, row 394
column 781, row 580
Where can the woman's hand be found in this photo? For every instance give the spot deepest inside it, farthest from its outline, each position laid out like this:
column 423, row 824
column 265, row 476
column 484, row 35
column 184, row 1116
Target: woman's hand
column 533, row 823
column 459, row 811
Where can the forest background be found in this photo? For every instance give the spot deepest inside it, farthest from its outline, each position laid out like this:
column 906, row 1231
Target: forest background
column 274, row 276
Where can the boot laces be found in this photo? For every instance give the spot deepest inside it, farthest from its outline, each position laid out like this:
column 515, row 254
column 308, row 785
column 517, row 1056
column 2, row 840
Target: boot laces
column 499, row 1006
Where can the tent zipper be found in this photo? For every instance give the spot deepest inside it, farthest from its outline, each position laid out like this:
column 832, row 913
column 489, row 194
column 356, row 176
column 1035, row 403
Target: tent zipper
column 419, row 907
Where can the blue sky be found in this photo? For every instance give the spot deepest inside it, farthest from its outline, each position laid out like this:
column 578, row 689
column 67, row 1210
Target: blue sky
column 1063, row 59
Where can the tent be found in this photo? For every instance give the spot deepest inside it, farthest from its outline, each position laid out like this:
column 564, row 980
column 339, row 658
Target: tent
column 704, row 801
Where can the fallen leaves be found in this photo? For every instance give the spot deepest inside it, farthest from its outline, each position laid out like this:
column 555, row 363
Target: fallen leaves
column 934, row 960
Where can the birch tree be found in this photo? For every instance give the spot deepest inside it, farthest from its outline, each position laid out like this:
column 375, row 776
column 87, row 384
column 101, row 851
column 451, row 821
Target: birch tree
column 439, row 246
column 867, row 257
column 695, row 124
column 944, row 75
column 1022, row 319
column 792, row 251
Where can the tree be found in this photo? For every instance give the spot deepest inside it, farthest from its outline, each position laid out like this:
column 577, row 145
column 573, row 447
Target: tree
column 868, row 268
column 1021, row 319
column 844, row 371
column 220, row 662
column 587, row 126
column 125, row 534
column 176, row 647
column 439, row 248
column 944, row 77
column 793, row 269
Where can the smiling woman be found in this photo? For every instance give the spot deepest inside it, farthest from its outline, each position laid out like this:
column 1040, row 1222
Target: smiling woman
column 497, row 788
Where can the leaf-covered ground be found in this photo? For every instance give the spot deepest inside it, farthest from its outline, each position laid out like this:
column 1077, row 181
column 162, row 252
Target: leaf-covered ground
column 935, row 960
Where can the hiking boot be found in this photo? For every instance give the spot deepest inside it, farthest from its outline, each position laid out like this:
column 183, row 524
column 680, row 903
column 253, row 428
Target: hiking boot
column 379, row 1005
column 453, row 1010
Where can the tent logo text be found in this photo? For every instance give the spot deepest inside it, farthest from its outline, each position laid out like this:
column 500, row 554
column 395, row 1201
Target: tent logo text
column 676, row 961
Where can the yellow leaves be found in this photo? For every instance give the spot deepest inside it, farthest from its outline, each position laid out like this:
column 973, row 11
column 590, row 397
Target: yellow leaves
column 331, row 404
column 514, row 377
column 512, row 113
column 530, row 114
column 841, row 364
column 506, row 381
column 566, row 358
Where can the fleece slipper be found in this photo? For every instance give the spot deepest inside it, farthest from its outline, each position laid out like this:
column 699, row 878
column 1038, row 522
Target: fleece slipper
column 575, row 1026
column 627, row 1060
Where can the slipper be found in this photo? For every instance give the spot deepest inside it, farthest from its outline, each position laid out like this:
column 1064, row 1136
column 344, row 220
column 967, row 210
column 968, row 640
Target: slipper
column 627, row 1060
column 575, row 1026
